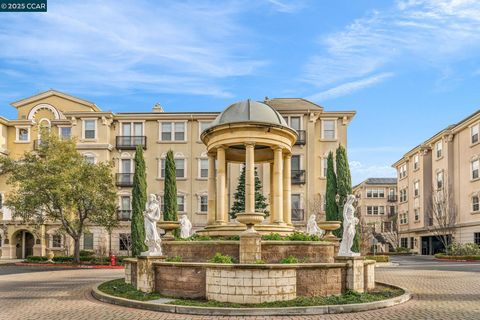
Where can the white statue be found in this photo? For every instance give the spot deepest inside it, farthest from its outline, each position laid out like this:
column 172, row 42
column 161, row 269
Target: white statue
column 151, row 217
column 349, row 223
column 312, row 226
column 185, row 227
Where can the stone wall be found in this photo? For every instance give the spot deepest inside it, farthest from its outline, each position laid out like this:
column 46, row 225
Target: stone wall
column 321, row 281
column 369, row 275
column 251, row 285
column 180, row 281
column 272, row 251
column 200, row 251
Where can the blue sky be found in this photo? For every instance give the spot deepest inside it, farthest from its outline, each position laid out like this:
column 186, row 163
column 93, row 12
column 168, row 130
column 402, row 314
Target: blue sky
column 409, row 68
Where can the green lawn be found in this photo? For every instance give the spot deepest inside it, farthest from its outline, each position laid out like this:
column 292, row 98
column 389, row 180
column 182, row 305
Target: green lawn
column 120, row 289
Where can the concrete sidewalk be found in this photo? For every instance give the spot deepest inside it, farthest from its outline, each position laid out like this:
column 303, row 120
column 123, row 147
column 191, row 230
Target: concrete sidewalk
column 10, row 261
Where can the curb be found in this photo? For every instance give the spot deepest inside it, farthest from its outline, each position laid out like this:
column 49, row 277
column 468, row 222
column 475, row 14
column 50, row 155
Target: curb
column 311, row 310
column 59, row 265
column 456, row 260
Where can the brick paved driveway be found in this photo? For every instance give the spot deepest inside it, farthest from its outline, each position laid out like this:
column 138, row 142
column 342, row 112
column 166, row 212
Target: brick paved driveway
column 64, row 294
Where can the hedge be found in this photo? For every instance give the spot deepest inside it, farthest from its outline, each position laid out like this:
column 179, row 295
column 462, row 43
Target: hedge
column 444, row 256
column 378, row 258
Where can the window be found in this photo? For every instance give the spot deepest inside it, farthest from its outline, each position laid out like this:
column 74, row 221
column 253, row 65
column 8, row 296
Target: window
column 476, row 238
column 125, row 208
column 375, row 210
column 203, row 168
column 403, row 195
column 295, row 162
column 166, row 131
column 404, row 242
column 56, row 241
column 416, row 212
column 404, row 218
column 1, row 200
column 203, row 204
column 65, row 132
column 475, row 168
column 297, row 212
column 475, row 204
column 172, row 131
column 474, row 133
column 439, row 149
column 126, row 165
column 181, row 203
column 124, row 242
column 23, row 134
column 89, row 158
column 89, row 129
column 295, row 123
column 440, row 179
column 416, row 162
column 329, row 129
column 391, row 210
column 179, row 131
column 88, row 241
column 376, row 193
column 412, row 242
column 416, row 188
column 202, row 125
column 179, row 168
column 132, row 129
column 402, row 171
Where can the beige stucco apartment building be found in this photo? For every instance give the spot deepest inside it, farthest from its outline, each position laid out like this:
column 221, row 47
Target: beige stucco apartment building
column 450, row 159
column 106, row 136
column 377, row 207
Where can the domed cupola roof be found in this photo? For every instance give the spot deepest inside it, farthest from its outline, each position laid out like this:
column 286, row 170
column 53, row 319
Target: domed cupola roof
column 249, row 111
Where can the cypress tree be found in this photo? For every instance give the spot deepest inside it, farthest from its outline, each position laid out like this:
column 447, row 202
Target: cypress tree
column 239, row 196
column 170, row 189
column 139, row 199
column 331, row 207
column 344, row 188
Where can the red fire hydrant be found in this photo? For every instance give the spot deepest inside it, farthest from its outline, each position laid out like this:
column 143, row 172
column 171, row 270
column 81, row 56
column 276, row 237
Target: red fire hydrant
column 113, row 260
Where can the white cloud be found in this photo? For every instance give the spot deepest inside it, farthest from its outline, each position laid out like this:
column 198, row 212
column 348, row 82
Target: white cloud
column 349, row 87
column 287, row 6
column 174, row 47
column 413, row 33
column 360, row 172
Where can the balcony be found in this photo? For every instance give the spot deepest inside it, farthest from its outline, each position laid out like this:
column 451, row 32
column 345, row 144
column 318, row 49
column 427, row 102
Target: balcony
column 392, row 198
column 298, row 176
column 124, row 215
column 302, row 138
column 131, row 142
column 124, row 179
column 298, row 214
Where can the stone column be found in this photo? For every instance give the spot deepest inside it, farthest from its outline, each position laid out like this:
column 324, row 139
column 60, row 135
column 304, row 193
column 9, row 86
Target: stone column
column 355, row 272
column 271, row 200
column 249, row 178
column 287, row 189
column 278, row 185
column 146, row 273
column 221, row 180
column 211, row 190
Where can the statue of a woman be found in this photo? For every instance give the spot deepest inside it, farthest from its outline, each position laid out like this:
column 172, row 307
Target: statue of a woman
column 312, row 226
column 185, row 227
column 151, row 217
column 349, row 223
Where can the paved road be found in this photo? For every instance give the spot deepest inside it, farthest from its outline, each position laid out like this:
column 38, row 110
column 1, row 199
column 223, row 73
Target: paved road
column 441, row 292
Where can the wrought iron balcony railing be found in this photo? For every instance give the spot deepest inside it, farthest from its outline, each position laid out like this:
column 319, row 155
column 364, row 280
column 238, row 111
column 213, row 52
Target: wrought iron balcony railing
column 131, row 142
column 124, row 179
column 392, row 198
column 124, row 215
column 298, row 176
column 302, row 137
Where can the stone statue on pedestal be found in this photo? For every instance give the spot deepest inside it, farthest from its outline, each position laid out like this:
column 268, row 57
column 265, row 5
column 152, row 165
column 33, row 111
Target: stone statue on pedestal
column 312, row 227
column 151, row 216
column 349, row 223
column 185, row 227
